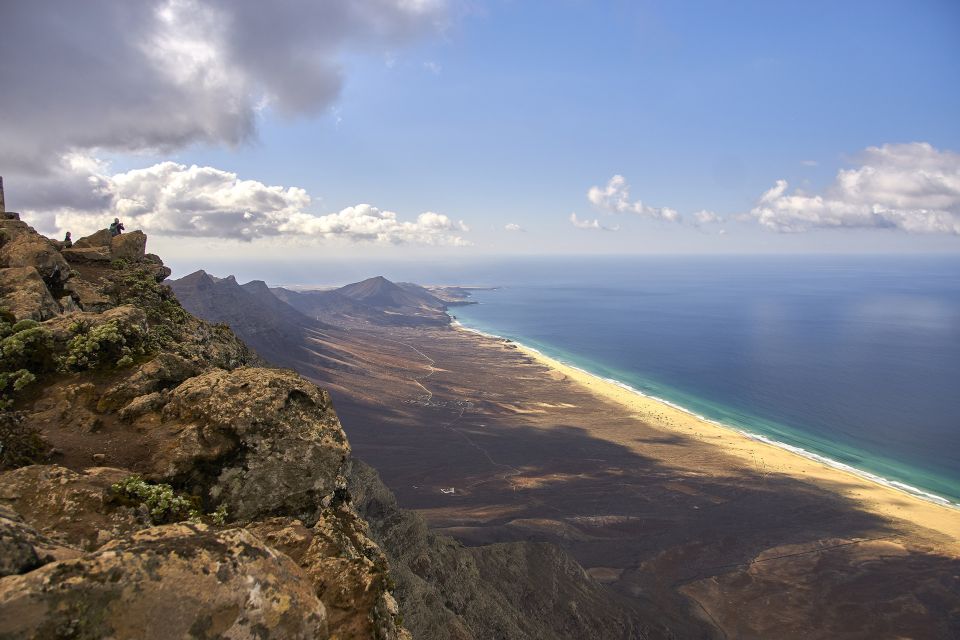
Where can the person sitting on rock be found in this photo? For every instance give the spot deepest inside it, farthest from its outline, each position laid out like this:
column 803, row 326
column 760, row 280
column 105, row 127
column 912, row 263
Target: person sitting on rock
column 67, row 241
column 116, row 227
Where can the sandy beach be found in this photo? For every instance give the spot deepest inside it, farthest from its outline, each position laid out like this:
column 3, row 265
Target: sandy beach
column 878, row 498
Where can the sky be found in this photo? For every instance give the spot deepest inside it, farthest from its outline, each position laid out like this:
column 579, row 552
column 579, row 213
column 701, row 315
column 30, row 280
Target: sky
column 375, row 130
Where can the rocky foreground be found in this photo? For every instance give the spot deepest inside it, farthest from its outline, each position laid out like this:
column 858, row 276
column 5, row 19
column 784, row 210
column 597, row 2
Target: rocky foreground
column 158, row 481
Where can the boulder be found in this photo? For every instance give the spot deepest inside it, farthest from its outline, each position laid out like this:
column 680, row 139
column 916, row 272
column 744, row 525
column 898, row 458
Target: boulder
column 165, row 371
column 68, row 304
column 88, row 296
column 88, row 255
column 101, row 238
column 25, row 294
column 173, row 581
column 74, row 509
column 129, row 246
column 24, row 247
column 23, row 548
column 155, row 264
column 261, row 441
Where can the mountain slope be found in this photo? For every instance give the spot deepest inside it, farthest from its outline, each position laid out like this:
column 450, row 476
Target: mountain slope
column 375, row 301
column 273, row 328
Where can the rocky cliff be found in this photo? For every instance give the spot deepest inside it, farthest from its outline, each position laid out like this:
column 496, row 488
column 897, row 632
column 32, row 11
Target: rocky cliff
column 158, row 481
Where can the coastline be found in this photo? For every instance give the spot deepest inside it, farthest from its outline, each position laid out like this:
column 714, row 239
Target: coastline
column 888, row 498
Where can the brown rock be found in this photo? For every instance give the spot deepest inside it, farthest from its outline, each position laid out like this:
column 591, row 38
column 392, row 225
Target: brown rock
column 347, row 569
column 262, row 441
column 88, row 255
column 174, row 581
column 101, row 238
column 350, row 574
column 68, row 305
column 89, row 297
column 23, row 548
column 25, row 294
column 74, row 509
column 24, row 247
column 129, row 246
column 165, row 371
column 160, row 271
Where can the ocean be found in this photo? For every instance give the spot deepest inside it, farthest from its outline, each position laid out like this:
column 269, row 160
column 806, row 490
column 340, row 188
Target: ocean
column 852, row 359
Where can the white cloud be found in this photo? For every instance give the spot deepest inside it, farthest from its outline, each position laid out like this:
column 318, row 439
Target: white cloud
column 809, row 163
column 163, row 74
column 704, row 216
column 432, row 67
column 589, row 224
column 171, row 199
column 513, row 227
column 615, row 198
column 911, row 187
column 584, row 224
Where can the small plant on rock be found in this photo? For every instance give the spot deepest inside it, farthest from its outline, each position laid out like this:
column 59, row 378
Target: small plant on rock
column 164, row 504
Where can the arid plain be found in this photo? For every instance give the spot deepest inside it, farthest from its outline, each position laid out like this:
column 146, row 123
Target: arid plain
column 494, row 443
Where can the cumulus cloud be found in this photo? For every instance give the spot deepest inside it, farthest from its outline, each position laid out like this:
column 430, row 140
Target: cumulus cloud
column 910, row 187
column 615, row 198
column 162, row 74
column 512, row 226
column 589, row 224
column 705, row 216
column 171, row 199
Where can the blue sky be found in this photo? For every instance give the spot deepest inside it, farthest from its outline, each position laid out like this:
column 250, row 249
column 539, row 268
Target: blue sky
column 511, row 111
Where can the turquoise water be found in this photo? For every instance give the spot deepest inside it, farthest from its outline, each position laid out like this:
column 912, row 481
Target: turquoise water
column 856, row 360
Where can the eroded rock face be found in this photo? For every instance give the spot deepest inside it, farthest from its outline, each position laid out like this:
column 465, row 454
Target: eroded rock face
column 101, row 238
column 26, row 295
column 73, row 509
column 88, row 296
column 269, row 440
column 129, row 246
column 24, row 247
column 165, row 371
column 348, row 570
column 173, row 581
column 23, row 548
column 84, row 255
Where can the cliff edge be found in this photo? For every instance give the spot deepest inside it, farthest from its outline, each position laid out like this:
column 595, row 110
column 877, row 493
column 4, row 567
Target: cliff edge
column 157, row 479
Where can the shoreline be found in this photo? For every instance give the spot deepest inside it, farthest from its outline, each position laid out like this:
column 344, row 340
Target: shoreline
column 889, row 498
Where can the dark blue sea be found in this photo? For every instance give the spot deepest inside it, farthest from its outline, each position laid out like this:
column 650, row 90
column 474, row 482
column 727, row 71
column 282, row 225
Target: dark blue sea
column 856, row 359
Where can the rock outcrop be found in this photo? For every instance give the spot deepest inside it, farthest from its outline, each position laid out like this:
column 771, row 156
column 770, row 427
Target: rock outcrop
column 215, row 467
column 174, row 581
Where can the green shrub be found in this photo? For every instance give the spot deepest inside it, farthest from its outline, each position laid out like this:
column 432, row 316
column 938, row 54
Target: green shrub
column 110, row 343
column 219, row 516
column 26, row 351
column 164, row 504
column 29, row 347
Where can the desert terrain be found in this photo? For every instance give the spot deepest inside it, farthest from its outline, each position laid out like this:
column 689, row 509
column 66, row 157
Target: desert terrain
column 493, row 443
